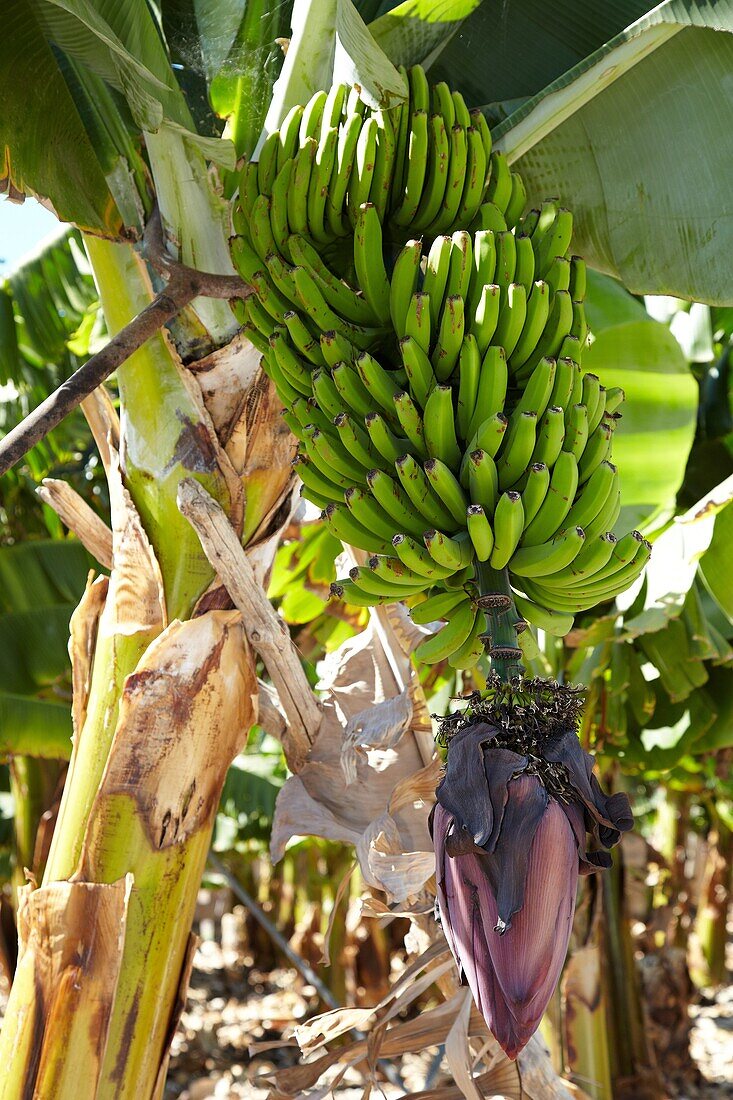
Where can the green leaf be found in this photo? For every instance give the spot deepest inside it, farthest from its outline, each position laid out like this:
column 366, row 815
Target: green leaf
column 643, row 212
column 42, row 574
column 675, row 559
column 33, row 644
column 34, row 727
column 47, row 150
column 512, row 51
column 644, row 359
column 715, row 564
column 417, row 32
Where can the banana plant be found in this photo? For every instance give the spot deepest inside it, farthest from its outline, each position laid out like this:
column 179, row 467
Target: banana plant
column 141, row 118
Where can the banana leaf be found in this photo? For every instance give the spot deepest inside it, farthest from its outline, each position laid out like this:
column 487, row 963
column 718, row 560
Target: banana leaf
column 636, row 140
column 641, row 355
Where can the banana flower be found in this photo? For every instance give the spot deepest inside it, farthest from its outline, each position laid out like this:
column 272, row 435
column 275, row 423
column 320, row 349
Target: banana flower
column 509, row 829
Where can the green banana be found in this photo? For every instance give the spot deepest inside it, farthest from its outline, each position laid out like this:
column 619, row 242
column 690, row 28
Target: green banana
column 418, row 368
column 506, row 260
column 557, row 275
column 351, row 388
column 524, row 268
column 390, row 570
column 378, row 383
column 362, row 171
column 447, row 488
column 576, row 430
column 334, row 457
column 385, row 155
column 340, row 297
column 486, row 316
column 342, row 524
column 492, row 387
column 442, row 104
column 450, row 337
column 267, row 163
column 469, row 372
column 550, row 436
column 535, row 490
column 439, row 427
column 403, row 284
column 484, row 266
column 552, row 622
column 341, row 175
column 315, row 481
column 475, row 181
column 508, row 525
column 355, row 442
column 517, row 201
column 483, row 481
column 326, row 394
column 450, row 638
column 411, row 422
column 417, row 321
column 557, row 503
column 565, row 375
column 299, row 186
column 335, row 348
column 499, row 190
column 615, row 396
column 333, row 107
column 549, row 558
column 591, row 397
column 417, row 159
column 310, row 123
column 556, row 241
column 540, row 386
column 460, row 266
column 415, row 483
column 415, row 558
column 489, row 435
column 455, row 181
column 594, row 557
column 578, row 278
column 279, row 225
column 366, row 511
column 386, row 443
column 608, row 514
column 437, row 175
column 451, row 553
column 593, row 495
column 319, row 184
column 368, row 581
column 436, row 607
column 512, row 316
column 517, row 447
column 597, row 449
column 395, row 502
column 538, row 310
column 469, row 654
column 436, row 275
column 369, row 261
column 480, row 532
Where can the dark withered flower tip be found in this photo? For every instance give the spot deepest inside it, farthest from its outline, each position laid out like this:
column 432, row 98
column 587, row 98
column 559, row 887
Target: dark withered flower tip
column 510, row 832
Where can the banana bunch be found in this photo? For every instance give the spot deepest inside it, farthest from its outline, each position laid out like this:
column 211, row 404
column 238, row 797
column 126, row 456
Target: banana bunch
column 434, row 382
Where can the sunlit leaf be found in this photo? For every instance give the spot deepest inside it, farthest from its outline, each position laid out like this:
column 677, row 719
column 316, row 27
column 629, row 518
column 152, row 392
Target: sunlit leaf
column 644, row 359
column 417, row 31
column 650, row 195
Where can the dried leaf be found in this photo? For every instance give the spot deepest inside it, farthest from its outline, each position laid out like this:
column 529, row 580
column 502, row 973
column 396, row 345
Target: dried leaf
column 92, row 532
column 457, row 1053
column 225, row 377
column 71, row 943
column 82, row 642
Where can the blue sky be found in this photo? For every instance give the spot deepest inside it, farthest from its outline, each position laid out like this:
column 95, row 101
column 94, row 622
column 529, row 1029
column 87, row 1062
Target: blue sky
column 21, row 229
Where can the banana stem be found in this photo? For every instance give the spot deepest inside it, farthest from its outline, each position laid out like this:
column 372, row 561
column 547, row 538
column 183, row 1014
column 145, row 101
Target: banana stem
column 496, row 600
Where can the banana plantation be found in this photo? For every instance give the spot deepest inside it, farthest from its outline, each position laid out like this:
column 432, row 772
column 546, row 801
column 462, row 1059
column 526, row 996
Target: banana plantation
column 366, row 600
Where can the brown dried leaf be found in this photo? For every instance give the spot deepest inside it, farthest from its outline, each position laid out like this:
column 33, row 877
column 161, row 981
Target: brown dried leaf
column 185, row 713
column 268, row 470
column 82, row 643
column 71, row 944
column 92, row 532
column 225, row 377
